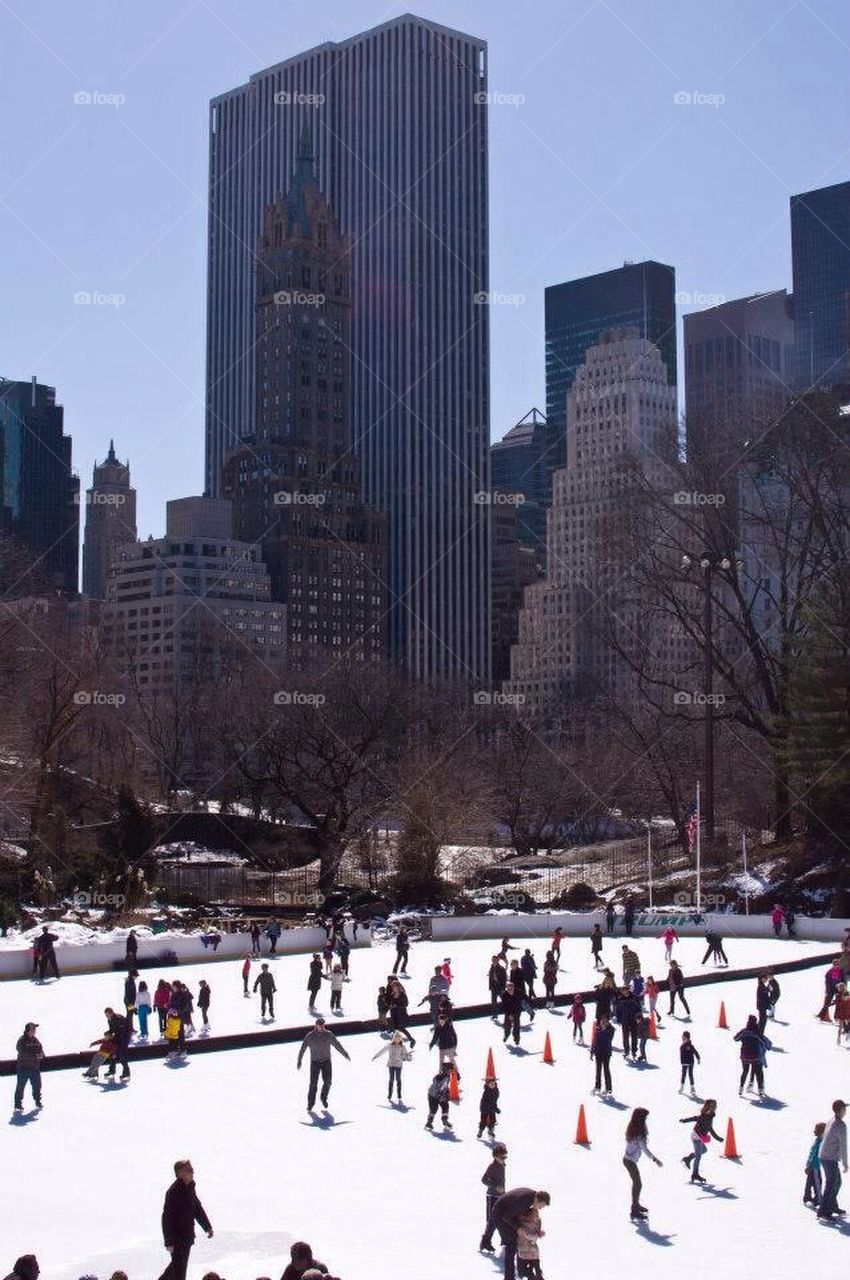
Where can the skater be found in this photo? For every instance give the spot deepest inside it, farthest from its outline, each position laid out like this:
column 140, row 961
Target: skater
column 625, row 1011
column 131, row 950
column 596, row 946
column 842, row 1011
column 833, row 1148
column 488, row 1107
column 246, row 974
column 181, row 1000
column 302, row 1263
column 204, row 998
column 337, row 979
column 46, row 953
column 496, row 980
column 494, row 1181
column 550, row 978
column 688, row 1055
column 143, row 1009
column 397, row 997
column 605, row 993
column 266, row 983
column 516, row 976
column 714, row 947
column 529, row 1231
column 105, row 1053
column 506, row 1217
column 601, row 1043
column 528, row 967
column 343, row 950
column 762, row 1001
column 319, row 1042
column 637, row 1138
column 130, row 996
column 629, row 917
column 273, row 932
column 790, row 921
column 578, row 1015
column 181, row 1210
column 753, row 1044
column 676, row 984
column 438, row 1097
column 446, row 970
column 28, row 1066
column 651, row 991
column 670, row 937
column 255, row 939
column 631, row 965
column 701, row 1134
column 162, row 1003
column 120, row 1030
column 402, row 950
column 314, row 980
column 26, row 1268
column 774, row 991
column 437, row 988
column 175, row 1034
column 383, row 1005
column 511, row 1008
column 641, row 1033
column 445, row 1038
column 506, row 946
column 813, row 1189
column 328, row 957
column 610, row 918
column 397, row 1054
column 557, row 939
column 831, row 979
column 777, row 915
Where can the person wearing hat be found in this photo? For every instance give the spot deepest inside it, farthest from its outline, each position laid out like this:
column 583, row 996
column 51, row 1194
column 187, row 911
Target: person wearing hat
column 26, row 1268
column 319, row 1042
column 30, row 1055
column 494, row 1181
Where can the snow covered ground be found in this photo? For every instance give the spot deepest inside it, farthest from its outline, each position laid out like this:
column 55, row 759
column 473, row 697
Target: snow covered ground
column 82, row 1182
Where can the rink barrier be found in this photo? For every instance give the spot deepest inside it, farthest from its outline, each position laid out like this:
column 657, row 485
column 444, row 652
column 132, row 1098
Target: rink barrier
column 97, row 957
column 578, row 924
column 460, row 1013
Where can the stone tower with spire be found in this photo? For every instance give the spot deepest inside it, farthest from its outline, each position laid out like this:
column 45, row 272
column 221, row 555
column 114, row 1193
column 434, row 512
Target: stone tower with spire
column 110, row 521
column 295, row 480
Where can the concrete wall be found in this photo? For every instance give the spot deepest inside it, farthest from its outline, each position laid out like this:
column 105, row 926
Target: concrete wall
column 579, row 924
column 93, row 957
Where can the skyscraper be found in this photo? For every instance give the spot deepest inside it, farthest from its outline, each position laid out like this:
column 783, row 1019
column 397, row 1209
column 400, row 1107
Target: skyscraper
column 110, row 521
column 398, row 117
column 40, row 494
column 638, row 295
column 820, row 261
column 518, row 464
column 295, row 483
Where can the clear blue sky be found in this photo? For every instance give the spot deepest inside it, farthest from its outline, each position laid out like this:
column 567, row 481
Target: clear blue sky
column 598, row 164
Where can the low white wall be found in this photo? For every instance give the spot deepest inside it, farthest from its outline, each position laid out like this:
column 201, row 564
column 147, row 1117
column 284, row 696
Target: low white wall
column 92, row 957
column 579, row 924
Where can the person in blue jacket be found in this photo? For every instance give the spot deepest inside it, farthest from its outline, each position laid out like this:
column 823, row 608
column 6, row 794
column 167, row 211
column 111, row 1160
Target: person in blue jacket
column 814, row 1172
column 754, row 1045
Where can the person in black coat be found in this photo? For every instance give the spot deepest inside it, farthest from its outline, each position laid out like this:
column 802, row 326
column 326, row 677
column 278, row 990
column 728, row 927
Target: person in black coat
column 130, row 992
column 629, row 918
column 402, row 950
column 605, row 994
column 26, row 1268
column 600, row 1049
column 120, row 1029
column 398, row 1002
column 131, row 949
column 46, row 953
column 505, row 1218
column 496, row 982
column 610, row 917
column 314, row 982
column 676, row 987
column 301, row 1260
column 204, row 998
column 266, row 983
column 181, row 1210
column 528, row 965
column 489, row 1107
column 511, row 1008
column 494, row 1181
column 626, row 1008
column 445, row 1038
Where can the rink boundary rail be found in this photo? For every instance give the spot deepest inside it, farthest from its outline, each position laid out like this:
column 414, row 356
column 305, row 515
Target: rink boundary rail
column 461, row 1013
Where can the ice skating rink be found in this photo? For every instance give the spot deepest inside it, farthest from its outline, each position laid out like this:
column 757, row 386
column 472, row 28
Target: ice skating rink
column 82, row 1182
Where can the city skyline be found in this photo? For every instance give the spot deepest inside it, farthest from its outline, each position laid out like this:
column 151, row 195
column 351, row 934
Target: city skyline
column 701, row 184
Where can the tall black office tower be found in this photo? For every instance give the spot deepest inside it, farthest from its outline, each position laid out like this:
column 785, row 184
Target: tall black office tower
column 398, row 120
column 820, row 259
column 638, row 295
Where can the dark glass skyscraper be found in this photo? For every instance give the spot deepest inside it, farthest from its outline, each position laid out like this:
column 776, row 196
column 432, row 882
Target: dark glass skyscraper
column 518, row 464
column 638, row 295
column 820, row 259
column 40, row 495
column 398, row 119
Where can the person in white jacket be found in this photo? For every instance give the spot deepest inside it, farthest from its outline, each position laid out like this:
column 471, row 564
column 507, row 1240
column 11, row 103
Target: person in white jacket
column 397, row 1054
column 637, row 1138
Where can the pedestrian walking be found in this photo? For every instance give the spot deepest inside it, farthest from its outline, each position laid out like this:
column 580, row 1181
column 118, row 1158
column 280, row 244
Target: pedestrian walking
column 328, row 956
column 131, row 949
column 266, row 984
column 676, row 986
column 204, row 998
column 813, row 1190
column 833, row 1151
column 774, row 991
column 578, row 1017
column 688, row 1055
column 701, row 1135
column 637, row 1139
column 842, row 1011
column 754, row 1044
column 488, row 1107
column 397, row 1054
column 601, row 1045
column 314, row 980
column 318, row 1043
column 494, row 1181
column 181, row 1210
column 143, row 1009
column 762, row 1001
column 596, row 946
column 507, row 1214
column 30, row 1056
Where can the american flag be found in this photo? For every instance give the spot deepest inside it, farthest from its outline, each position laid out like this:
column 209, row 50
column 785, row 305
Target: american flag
column 691, row 826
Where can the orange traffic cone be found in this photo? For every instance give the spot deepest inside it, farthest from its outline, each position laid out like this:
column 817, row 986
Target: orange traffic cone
column 548, row 1056
column 490, row 1069
column 653, row 1030
column 721, row 1021
column 454, row 1087
column 730, row 1151
column 581, row 1130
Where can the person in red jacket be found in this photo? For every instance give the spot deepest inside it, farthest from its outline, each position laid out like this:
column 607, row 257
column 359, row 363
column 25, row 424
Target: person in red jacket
column 162, row 1002
column 842, row 1010
column 246, row 973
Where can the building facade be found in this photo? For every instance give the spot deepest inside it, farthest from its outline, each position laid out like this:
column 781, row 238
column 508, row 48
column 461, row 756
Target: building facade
column 40, row 495
column 820, row 259
column 110, row 521
column 398, row 117
column 515, row 565
column 179, row 607
column 638, row 295
column 295, row 483
column 622, row 411
column 518, row 464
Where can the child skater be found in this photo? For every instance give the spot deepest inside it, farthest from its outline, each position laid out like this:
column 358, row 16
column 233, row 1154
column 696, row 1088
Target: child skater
column 688, row 1054
column 529, row 1231
column 397, row 1054
column 246, row 974
column 701, row 1135
column 489, row 1107
column 337, row 979
column 578, row 1014
column 814, row 1179
column 651, row 993
column 143, row 1009
column 494, row 1181
column 446, row 970
column 175, row 1036
column 105, row 1053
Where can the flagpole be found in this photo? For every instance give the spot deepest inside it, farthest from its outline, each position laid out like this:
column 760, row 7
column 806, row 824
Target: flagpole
column 699, row 837
column 746, row 875
column 649, row 860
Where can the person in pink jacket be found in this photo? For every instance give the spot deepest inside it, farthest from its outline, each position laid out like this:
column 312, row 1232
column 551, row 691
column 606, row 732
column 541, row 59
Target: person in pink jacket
column 161, row 1002
column 670, row 936
column 777, row 915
